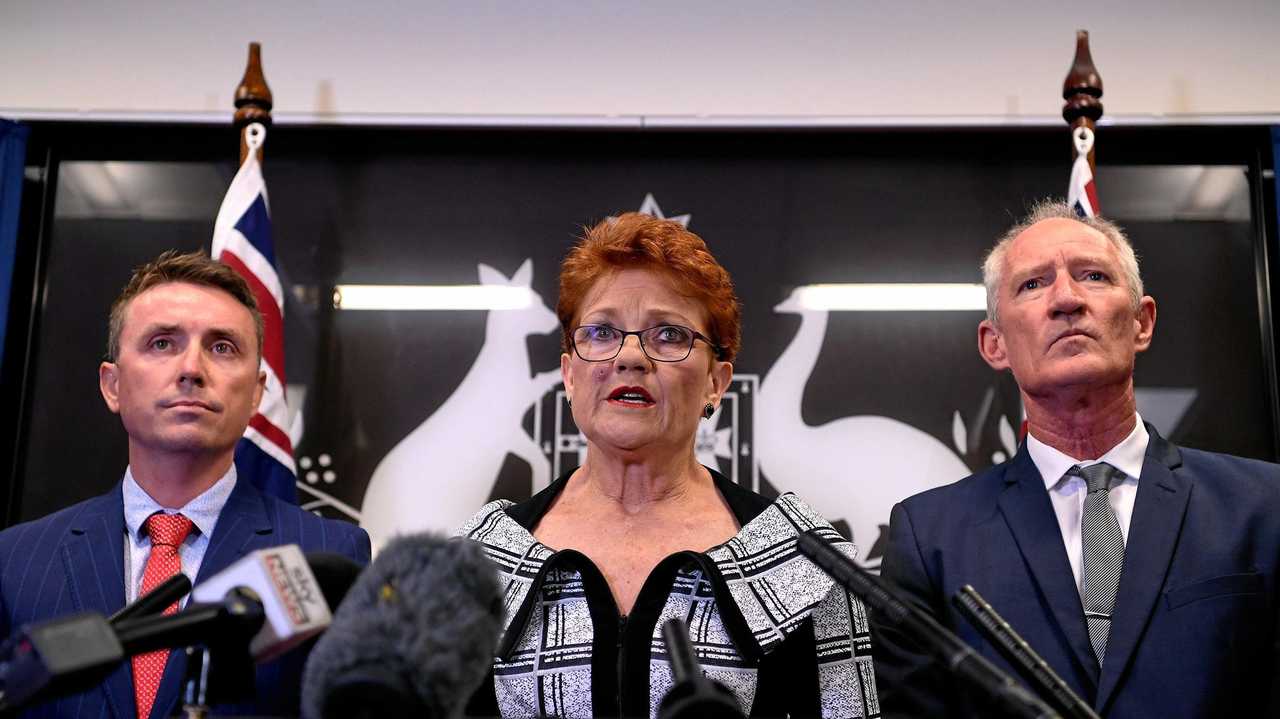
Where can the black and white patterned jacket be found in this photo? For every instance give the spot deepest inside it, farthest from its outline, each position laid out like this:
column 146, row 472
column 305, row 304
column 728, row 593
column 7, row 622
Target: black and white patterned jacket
column 764, row 621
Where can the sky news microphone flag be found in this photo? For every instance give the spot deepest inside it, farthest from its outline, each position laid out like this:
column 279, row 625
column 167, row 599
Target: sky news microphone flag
column 1081, row 193
column 242, row 240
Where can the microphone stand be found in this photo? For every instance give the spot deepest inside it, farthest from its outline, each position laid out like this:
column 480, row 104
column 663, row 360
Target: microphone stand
column 195, row 704
column 692, row 694
column 1019, row 653
column 219, row 665
column 954, row 654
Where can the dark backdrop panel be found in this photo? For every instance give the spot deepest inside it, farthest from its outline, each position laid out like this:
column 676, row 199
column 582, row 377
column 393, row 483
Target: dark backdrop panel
column 1196, row 271
column 779, row 210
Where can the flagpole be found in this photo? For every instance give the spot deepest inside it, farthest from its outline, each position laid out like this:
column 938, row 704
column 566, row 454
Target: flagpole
column 242, row 239
column 1082, row 91
column 253, row 99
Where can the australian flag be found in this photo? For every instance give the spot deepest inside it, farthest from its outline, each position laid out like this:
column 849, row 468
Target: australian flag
column 1080, row 192
column 242, row 240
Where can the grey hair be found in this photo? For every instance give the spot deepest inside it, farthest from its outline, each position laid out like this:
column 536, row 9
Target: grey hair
column 1049, row 209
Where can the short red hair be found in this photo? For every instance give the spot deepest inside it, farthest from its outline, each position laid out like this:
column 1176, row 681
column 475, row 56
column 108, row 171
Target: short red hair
column 635, row 240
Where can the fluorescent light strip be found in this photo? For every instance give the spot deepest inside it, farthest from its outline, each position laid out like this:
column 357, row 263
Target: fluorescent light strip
column 824, row 297
column 891, row 297
column 431, row 297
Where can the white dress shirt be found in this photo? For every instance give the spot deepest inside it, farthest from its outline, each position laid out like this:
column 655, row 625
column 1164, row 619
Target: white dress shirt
column 1067, row 493
column 203, row 512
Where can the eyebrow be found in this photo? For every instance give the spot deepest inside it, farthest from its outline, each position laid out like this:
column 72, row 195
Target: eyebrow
column 215, row 332
column 1099, row 260
column 1040, row 269
column 160, row 329
column 225, row 333
column 659, row 317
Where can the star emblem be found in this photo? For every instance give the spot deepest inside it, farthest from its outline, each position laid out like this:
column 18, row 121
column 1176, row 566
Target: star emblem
column 650, row 207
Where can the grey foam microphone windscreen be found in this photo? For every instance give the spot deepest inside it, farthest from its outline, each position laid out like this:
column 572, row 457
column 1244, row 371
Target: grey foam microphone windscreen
column 414, row 636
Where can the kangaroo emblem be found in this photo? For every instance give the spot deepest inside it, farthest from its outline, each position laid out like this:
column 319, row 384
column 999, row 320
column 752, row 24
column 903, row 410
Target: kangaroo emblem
column 443, row 471
column 853, row 468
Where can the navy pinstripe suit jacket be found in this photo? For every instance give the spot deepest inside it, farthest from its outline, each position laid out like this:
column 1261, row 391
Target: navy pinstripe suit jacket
column 73, row 561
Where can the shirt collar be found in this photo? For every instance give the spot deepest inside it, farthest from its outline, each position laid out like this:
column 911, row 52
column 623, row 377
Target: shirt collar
column 1126, row 456
column 203, row 510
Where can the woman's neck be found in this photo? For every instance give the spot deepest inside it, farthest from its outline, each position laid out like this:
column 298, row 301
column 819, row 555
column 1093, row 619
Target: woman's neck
column 640, row 484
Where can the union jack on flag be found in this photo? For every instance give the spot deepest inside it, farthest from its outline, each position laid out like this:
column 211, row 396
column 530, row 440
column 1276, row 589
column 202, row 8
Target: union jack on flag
column 1081, row 193
column 242, row 240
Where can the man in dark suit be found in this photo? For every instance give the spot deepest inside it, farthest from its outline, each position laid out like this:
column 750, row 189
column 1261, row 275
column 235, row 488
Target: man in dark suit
column 183, row 374
column 1144, row 573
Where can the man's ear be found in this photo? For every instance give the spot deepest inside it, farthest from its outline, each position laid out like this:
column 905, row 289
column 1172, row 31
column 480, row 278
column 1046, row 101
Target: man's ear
column 1145, row 323
column 259, row 389
column 991, row 345
column 108, row 384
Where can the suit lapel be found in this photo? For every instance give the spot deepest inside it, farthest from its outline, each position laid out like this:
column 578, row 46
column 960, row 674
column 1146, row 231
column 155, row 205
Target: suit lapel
column 93, row 558
column 1153, row 535
column 1028, row 511
column 243, row 525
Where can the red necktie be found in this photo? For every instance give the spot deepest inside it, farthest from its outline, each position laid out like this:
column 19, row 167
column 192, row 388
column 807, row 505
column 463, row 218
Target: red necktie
column 167, row 532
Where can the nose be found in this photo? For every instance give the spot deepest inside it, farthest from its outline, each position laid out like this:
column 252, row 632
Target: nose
column 1066, row 299
column 631, row 355
column 191, row 370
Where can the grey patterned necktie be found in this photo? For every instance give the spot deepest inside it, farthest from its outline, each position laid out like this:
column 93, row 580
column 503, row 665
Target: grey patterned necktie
column 1103, row 550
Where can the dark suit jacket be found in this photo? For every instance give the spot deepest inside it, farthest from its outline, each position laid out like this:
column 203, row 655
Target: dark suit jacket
column 73, row 561
column 1193, row 632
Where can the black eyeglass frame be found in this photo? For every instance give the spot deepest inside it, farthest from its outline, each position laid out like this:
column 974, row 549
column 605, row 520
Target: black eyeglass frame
column 573, row 340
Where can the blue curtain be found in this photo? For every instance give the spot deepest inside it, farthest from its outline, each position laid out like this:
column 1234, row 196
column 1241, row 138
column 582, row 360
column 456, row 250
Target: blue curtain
column 13, row 154
column 1275, row 158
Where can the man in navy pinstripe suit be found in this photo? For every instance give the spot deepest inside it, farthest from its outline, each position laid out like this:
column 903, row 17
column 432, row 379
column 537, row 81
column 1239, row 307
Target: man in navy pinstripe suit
column 183, row 374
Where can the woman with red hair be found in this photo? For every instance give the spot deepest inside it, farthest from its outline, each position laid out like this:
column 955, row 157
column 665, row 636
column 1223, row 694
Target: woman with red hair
column 642, row 533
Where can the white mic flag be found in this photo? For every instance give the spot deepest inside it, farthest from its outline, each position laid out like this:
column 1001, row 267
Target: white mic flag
column 294, row 605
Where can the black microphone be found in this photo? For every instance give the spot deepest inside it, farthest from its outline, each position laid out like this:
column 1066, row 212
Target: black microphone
column 271, row 594
column 283, row 579
column 72, row 654
column 224, row 671
column 155, row 601
column 335, row 575
column 414, row 637
column 692, row 694
column 1019, row 653
column 62, row 655
column 69, row 653
column 232, row 621
column 954, row 654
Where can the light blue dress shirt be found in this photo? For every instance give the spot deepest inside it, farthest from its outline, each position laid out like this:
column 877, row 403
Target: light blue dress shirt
column 203, row 512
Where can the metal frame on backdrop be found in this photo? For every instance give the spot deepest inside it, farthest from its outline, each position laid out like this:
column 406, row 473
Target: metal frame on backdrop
column 1262, row 186
column 25, row 303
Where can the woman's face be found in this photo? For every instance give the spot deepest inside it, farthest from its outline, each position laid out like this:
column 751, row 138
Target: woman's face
column 632, row 404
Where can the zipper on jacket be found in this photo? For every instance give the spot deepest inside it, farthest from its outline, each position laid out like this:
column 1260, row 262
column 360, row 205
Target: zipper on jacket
column 622, row 633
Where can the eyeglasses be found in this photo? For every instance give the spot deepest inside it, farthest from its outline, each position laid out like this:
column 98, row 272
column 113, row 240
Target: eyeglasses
column 661, row 343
